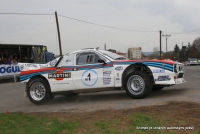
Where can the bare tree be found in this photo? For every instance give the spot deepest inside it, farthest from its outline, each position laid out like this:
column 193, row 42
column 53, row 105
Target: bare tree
column 196, row 43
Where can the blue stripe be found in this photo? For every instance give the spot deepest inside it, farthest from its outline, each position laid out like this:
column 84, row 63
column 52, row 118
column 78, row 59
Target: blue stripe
column 27, row 76
column 154, row 64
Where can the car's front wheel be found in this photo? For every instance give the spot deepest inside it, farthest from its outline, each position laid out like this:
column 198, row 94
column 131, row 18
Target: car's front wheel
column 39, row 91
column 138, row 84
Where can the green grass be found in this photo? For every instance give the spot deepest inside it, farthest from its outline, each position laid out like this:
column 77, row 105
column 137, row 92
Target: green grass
column 114, row 126
column 18, row 123
column 143, row 123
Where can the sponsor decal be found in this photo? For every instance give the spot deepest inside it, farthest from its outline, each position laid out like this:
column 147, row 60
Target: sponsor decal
column 107, row 69
column 119, row 68
column 117, row 80
column 89, row 78
column 60, row 83
column 158, row 71
column 9, row 69
column 43, row 65
column 21, row 67
column 59, row 75
column 27, row 65
column 68, row 60
column 106, row 77
column 163, row 78
column 53, row 62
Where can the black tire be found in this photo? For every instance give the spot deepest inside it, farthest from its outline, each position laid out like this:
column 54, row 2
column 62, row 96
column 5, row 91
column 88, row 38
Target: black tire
column 138, row 84
column 39, row 91
column 157, row 88
column 72, row 94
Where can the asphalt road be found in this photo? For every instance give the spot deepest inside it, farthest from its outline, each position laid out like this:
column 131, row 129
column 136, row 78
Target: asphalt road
column 12, row 97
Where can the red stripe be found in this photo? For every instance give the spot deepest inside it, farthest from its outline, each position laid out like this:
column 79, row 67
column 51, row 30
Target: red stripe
column 64, row 68
column 36, row 70
column 162, row 61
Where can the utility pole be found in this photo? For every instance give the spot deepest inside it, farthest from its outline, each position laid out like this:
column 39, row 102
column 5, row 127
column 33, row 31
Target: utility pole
column 58, row 34
column 160, row 44
column 182, row 52
column 166, row 36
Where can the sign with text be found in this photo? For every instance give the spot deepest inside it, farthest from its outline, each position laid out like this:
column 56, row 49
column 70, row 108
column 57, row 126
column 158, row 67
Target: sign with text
column 9, row 70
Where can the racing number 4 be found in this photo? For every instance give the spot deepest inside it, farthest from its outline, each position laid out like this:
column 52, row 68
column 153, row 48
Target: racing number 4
column 89, row 77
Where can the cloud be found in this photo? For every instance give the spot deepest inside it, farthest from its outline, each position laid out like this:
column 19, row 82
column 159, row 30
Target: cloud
column 146, row 15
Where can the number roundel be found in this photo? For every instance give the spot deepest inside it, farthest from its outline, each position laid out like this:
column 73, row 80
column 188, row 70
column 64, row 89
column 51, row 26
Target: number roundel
column 89, row 78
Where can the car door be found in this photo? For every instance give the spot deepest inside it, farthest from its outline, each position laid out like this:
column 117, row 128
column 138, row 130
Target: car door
column 89, row 73
column 64, row 71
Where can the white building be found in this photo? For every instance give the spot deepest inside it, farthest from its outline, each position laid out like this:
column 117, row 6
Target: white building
column 135, row 53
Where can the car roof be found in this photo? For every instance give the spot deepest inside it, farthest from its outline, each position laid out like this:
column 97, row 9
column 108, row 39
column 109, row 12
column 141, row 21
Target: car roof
column 84, row 50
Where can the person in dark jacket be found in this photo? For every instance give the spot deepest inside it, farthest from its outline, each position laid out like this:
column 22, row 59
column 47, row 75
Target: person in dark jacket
column 5, row 61
column 1, row 61
column 31, row 60
column 9, row 61
column 6, row 55
column 2, row 56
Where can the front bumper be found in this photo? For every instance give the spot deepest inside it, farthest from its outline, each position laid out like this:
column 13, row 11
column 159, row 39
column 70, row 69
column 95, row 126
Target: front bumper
column 179, row 81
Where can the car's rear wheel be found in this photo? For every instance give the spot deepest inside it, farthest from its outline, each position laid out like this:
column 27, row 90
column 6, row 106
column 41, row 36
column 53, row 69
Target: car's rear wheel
column 39, row 91
column 138, row 84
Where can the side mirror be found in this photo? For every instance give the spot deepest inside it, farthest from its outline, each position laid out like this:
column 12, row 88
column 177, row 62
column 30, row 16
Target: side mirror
column 101, row 61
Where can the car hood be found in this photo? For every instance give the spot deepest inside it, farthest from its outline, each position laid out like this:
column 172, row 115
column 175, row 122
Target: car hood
column 33, row 66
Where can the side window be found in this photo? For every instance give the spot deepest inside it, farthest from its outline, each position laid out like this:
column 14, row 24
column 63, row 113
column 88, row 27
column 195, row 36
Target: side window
column 86, row 58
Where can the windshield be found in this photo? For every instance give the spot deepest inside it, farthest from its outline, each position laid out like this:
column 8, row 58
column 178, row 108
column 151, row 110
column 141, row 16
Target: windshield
column 113, row 55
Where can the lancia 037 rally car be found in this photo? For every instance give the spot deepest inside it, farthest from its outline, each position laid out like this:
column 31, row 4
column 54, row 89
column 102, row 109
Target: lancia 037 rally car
column 91, row 70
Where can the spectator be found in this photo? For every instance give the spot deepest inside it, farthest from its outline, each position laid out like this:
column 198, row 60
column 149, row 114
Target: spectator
column 9, row 61
column 14, row 55
column 2, row 56
column 18, row 60
column 1, row 61
column 13, row 61
column 25, row 60
column 6, row 55
column 31, row 60
column 15, row 58
column 5, row 61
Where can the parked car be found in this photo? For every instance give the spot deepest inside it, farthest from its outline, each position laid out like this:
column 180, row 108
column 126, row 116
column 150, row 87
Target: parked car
column 193, row 62
column 92, row 70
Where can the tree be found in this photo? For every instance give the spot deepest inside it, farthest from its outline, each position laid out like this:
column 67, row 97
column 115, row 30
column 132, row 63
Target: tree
column 175, row 55
column 183, row 56
column 196, row 43
column 176, row 49
column 168, row 55
column 194, row 53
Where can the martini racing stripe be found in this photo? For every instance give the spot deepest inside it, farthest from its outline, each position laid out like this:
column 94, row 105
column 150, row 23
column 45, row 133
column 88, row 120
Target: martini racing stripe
column 37, row 70
column 24, row 75
column 27, row 76
column 154, row 64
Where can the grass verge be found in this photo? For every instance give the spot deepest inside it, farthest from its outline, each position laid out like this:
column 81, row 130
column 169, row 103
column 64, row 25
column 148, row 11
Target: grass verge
column 173, row 118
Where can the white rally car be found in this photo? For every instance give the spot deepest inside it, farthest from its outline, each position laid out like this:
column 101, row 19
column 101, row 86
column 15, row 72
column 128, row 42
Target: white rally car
column 91, row 70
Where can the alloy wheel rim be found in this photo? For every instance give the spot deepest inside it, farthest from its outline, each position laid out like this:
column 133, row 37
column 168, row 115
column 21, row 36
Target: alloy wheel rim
column 136, row 84
column 37, row 91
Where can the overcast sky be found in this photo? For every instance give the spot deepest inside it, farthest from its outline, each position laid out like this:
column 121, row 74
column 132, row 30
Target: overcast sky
column 143, row 18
